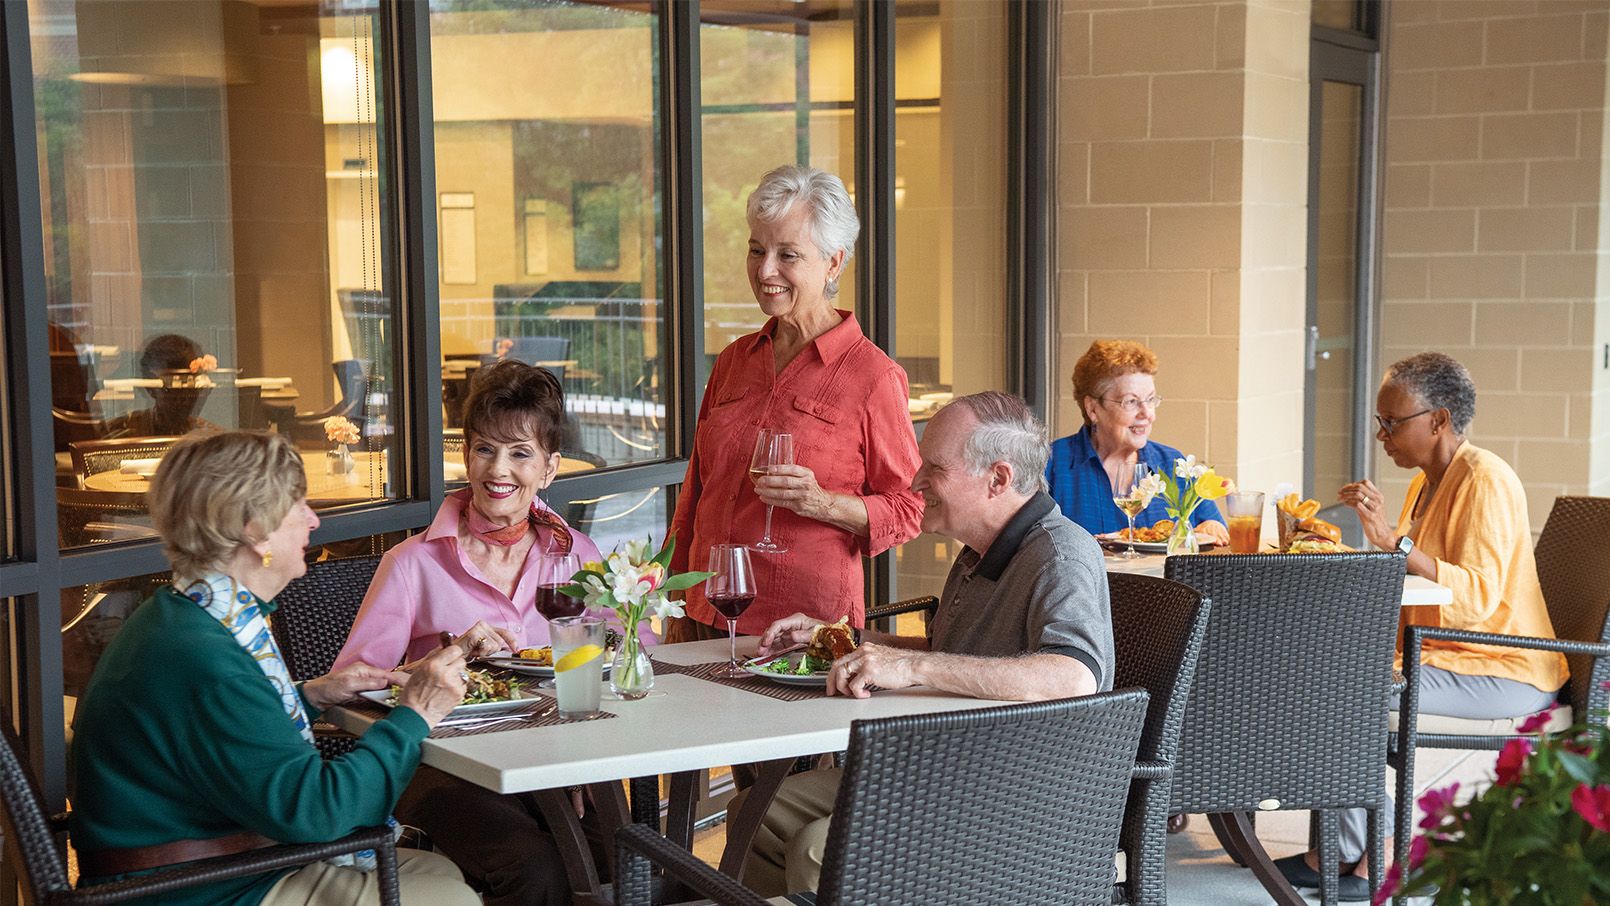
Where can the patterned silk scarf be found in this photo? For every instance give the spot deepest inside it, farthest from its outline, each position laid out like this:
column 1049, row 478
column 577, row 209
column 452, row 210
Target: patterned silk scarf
column 506, row 536
column 237, row 609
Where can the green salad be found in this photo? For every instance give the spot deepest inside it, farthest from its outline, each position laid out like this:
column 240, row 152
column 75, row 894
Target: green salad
column 806, row 666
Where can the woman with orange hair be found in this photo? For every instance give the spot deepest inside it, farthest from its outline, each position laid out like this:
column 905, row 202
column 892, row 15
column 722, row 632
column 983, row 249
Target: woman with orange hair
column 1115, row 384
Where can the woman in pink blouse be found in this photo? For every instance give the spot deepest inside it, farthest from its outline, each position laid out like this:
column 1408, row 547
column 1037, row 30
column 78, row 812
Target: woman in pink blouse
column 472, row 575
column 810, row 372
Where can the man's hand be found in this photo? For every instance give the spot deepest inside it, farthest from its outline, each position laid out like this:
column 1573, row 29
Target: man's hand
column 343, row 685
column 436, row 685
column 786, row 633
column 875, row 665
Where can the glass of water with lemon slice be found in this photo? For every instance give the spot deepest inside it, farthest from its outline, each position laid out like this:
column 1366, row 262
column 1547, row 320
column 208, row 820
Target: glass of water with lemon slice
column 578, row 664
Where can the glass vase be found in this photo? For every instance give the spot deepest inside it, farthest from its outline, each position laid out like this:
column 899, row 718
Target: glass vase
column 631, row 673
column 339, row 460
column 1183, row 539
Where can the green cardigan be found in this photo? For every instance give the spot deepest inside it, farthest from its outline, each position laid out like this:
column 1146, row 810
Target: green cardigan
column 181, row 736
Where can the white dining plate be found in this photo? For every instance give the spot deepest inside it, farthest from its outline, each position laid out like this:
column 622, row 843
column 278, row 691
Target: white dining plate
column 521, row 696
column 787, row 679
column 1146, row 547
column 531, row 668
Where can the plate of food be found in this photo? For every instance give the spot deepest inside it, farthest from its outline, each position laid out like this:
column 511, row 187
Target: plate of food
column 484, row 692
column 808, row 667
column 1149, row 539
column 536, row 661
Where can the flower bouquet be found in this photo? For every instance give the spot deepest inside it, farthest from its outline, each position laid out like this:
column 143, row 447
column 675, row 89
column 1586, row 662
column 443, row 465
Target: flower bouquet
column 635, row 586
column 1539, row 835
column 341, row 432
column 1193, row 482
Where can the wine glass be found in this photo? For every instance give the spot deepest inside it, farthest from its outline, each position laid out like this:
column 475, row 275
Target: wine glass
column 772, row 448
column 1131, row 502
column 730, row 591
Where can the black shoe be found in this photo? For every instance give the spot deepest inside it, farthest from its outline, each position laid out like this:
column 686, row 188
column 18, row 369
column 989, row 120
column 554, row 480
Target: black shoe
column 1353, row 889
column 1350, row 888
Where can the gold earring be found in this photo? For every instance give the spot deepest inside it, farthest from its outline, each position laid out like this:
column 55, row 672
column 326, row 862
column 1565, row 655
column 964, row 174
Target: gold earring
column 268, row 559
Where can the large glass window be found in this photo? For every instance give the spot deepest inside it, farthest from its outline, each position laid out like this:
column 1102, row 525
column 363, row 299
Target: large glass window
column 950, row 313
column 215, row 244
column 550, row 230
column 777, row 82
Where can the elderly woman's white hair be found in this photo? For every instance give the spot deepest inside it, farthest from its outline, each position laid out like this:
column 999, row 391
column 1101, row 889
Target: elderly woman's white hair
column 834, row 224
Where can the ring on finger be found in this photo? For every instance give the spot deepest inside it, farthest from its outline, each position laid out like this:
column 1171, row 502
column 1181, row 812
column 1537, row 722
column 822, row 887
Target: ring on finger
column 464, row 675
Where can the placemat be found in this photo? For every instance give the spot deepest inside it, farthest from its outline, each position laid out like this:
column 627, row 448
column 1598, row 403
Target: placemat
column 532, row 714
column 753, row 684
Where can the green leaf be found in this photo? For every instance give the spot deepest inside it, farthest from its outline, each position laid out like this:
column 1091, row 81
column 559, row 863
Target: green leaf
column 1580, row 768
column 686, row 580
column 574, row 589
column 663, row 558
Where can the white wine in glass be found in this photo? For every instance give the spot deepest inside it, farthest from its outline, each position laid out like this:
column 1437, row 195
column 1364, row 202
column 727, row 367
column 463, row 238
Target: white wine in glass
column 1131, row 503
column 772, row 448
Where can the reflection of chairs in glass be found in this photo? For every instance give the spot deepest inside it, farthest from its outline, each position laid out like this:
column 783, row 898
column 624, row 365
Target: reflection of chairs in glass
column 352, row 377
column 549, row 352
column 1012, row 804
column 91, row 457
column 453, row 457
column 72, row 381
column 85, row 517
column 71, row 426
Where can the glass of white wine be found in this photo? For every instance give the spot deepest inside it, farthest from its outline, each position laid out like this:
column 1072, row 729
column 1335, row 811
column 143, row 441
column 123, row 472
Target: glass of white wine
column 1131, row 502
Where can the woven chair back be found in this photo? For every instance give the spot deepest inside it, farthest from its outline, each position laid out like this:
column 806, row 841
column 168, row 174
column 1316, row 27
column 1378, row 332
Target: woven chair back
column 316, row 613
column 29, row 842
column 1575, row 575
column 1014, row 804
column 1157, row 631
column 1289, row 704
column 91, row 457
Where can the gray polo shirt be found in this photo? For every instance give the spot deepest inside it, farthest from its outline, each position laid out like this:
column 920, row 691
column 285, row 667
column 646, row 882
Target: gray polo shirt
column 1041, row 588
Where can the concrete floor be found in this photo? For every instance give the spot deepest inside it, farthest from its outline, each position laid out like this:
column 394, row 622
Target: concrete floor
column 1200, row 874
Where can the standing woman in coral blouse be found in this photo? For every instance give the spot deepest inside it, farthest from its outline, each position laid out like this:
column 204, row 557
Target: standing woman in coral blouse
column 810, row 372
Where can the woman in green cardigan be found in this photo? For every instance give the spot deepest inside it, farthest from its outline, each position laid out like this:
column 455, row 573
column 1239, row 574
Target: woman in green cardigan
column 192, row 741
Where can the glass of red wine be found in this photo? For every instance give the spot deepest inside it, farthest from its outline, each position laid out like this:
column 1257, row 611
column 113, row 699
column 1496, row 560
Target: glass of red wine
column 730, row 591
column 553, row 573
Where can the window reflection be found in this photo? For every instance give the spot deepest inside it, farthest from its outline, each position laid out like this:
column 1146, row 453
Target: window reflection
column 548, row 174
column 213, row 220
column 777, row 83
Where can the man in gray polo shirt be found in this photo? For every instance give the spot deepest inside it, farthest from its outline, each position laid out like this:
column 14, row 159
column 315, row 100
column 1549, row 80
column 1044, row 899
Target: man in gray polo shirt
column 1023, row 616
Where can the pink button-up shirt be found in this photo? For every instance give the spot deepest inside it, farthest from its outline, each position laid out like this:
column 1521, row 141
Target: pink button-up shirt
column 427, row 585
column 846, row 404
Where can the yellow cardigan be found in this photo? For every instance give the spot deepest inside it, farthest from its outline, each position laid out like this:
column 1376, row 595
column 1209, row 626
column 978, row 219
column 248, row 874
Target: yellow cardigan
column 1478, row 530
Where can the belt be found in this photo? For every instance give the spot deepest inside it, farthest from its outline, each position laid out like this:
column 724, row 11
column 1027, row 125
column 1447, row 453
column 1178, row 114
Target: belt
column 105, row 863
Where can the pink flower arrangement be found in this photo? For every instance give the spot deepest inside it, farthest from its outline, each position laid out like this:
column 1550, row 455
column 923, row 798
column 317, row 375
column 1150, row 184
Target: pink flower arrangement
column 340, row 430
column 204, row 364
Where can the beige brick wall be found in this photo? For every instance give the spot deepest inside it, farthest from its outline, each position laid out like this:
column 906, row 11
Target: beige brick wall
column 1182, row 189
column 1494, row 247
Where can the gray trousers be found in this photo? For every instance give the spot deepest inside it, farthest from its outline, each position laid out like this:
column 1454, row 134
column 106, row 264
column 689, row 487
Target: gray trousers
column 1452, row 695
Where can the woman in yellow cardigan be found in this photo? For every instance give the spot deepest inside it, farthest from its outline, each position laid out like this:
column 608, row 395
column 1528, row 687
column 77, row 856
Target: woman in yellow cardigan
column 1465, row 526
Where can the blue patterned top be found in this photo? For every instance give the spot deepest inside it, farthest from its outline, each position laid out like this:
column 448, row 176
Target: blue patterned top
column 1080, row 487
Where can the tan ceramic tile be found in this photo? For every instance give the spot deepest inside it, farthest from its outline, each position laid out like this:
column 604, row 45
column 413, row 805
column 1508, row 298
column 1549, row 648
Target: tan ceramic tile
column 1104, row 108
column 1276, row 107
column 1435, row 45
column 1540, row 39
column 1070, row 304
column 1587, row 229
column 1405, row 277
column 1209, row 362
column 1167, row 39
column 1522, row 414
column 1430, row 231
column 1074, row 48
column 1595, row 34
column 1276, row 172
column 1224, row 307
column 1411, row 93
column 1408, row 186
column 1428, row 322
column 1564, row 370
column 1227, row 170
column 1222, row 438
column 1073, row 173
column 1556, row 459
column 1453, row 10
column 1486, row 90
column 1529, row 135
column 1277, row 41
column 1525, row 229
column 1476, row 276
column 1230, row 37
column 1585, row 333
column 1567, row 276
column 1198, row 105
column 1478, row 185
column 1563, row 182
column 1568, row 86
column 1169, row 302
column 1151, row 172
column 1412, row 13
column 1273, row 236
column 1272, row 300
column 1181, row 423
column 1433, row 138
column 1523, row 323
column 1495, row 368
column 1103, row 237
column 1196, row 236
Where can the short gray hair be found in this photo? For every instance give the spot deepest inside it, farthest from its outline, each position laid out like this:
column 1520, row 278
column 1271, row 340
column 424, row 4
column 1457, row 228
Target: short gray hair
column 1438, row 381
column 1007, row 432
column 834, row 224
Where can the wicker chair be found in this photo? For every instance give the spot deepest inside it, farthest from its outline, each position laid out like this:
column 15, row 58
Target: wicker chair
column 91, row 457
column 33, row 843
column 315, row 614
column 1157, row 628
column 1289, row 705
column 1576, row 588
column 1047, row 780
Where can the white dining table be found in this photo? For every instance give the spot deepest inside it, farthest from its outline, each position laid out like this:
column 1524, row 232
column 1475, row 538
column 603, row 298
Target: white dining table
column 684, row 726
column 1417, row 591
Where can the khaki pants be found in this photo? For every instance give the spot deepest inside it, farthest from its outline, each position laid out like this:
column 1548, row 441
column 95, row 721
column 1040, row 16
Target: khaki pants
column 787, row 854
column 425, row 879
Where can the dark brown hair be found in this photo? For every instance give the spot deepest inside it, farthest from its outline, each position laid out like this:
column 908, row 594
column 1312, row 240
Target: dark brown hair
column 513, row 401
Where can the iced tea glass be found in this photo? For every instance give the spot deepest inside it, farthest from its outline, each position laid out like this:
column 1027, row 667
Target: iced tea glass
column 1244, row 509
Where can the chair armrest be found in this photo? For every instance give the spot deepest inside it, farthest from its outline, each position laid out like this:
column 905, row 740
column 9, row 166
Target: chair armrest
column 223, row 868
column 1152, row 770
column 639, row 847
column 927, row 603
column 1416, row 634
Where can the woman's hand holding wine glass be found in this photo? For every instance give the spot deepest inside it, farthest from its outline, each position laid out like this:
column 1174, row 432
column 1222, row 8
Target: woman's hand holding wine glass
column 772, row 449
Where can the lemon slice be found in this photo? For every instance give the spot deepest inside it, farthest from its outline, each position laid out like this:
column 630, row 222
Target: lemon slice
column 583, row 655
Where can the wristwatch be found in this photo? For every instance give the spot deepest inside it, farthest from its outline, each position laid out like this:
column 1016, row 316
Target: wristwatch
column 1406, row 545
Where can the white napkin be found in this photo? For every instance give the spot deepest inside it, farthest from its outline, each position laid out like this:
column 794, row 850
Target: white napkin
column 274, row 382
column 139, row 466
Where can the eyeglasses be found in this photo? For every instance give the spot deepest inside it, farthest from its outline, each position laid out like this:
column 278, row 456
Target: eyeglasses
column 1132, row 404
column 1388, row 425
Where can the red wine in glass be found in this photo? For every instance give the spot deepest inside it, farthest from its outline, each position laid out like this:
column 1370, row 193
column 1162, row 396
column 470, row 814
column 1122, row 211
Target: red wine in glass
column 553, row 603
column 730, row 590
column 730, row 606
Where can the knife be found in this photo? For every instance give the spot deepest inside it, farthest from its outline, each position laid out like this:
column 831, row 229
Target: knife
column 759, row 661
